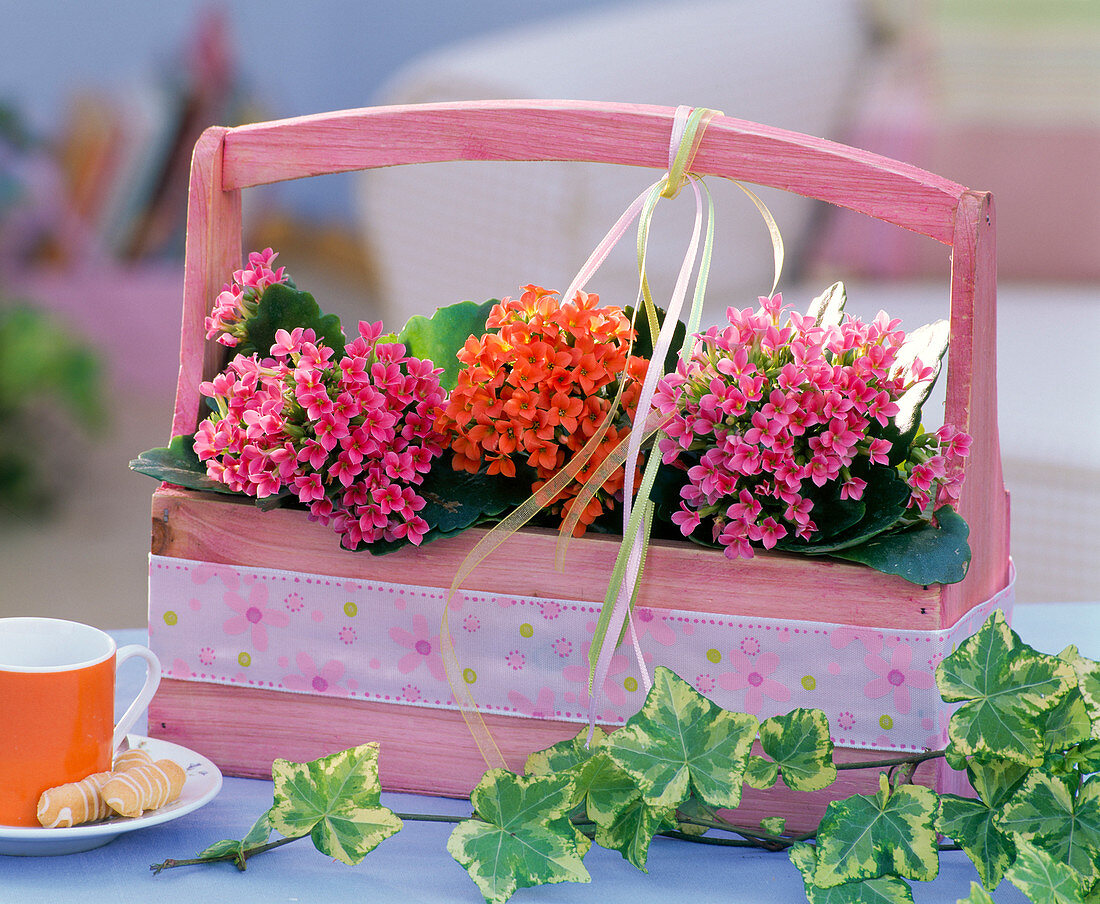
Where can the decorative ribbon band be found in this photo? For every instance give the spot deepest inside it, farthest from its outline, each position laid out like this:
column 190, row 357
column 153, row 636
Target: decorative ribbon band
column 369, row 640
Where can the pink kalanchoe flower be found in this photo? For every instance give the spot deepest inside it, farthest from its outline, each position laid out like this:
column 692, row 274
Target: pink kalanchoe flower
column 777, row 408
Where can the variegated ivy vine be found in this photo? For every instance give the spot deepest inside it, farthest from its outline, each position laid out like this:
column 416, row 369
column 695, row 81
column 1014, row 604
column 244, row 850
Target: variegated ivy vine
column 1027, row 733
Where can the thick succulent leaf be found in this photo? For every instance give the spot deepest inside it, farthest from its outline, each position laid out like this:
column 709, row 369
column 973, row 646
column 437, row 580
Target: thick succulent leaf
column 800, row 744
column 970, row 824
column 337, row 800
column 679, row 742
column 828, row 308
column 643, row 341
column 440, row 337
column 1042, row 878
column 870, row 835
column 1006, row 689
column 1046, row 814
column 928, row 343
column 761, row 773
column 884, row 502
column 455, row 500
column 178, row 465
column 285, row 307
column 927, row 554
column 521, row 836
column 884, row 890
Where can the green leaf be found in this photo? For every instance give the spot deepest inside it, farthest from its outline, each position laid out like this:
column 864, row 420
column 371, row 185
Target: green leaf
column 828, row 308
column 927, row 554
column 643, row 342
column 521, row 836
column 1042, row 878
column 1006, row 689
column 1088, row 682
column 440, row 337
column 337, row 800
column 970, row 824
column 773, row 825
column 178, row 465
column 285, row 307
column 1047, row 814
column 1067, row 723
column 929, row 343
column 996, row 780
column 978, row 895
column 800, row 744
column 884, row 501
column 235, row 850
column 679, row 742
column 884, row 890
column 761, row 773
column 872, row 835
column 612, row 799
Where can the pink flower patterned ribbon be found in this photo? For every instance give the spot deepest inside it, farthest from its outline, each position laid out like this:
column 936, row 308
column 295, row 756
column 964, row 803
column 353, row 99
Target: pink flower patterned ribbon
column 528, row 657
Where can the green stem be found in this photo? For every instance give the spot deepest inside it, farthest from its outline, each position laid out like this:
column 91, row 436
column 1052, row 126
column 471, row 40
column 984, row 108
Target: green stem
column 239, row 859
column 431, row 817
column 915, row 759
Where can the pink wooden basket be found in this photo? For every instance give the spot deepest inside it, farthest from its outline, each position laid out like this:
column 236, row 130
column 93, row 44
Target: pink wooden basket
column 243, row 729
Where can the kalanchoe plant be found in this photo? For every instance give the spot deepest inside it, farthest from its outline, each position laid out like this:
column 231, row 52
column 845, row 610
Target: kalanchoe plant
column 352, row 437
column 537, row 385
column 1027, row 733
column 788, row 430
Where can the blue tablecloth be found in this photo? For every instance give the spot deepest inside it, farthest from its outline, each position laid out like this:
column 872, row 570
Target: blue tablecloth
column 413, row 866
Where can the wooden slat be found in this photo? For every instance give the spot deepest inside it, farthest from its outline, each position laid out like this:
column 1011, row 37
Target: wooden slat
column 222, row 529
column 213, row 253
column 426, row 751
column 629, row 134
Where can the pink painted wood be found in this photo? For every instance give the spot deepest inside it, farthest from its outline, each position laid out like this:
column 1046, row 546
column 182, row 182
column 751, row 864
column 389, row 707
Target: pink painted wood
column 195, row 525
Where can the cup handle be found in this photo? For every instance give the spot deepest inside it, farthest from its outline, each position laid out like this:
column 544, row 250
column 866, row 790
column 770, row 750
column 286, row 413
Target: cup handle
column 152, row 682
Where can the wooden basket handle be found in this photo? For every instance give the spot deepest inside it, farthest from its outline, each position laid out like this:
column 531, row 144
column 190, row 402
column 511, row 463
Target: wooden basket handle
column 228, row 160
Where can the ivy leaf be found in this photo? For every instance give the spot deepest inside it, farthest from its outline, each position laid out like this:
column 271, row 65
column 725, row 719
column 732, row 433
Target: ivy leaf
column 178, row 465
column 761, row 773
column 337, row 800
column 679, row 742
column 1088, row 682
column 884, row 890
column 612, row 799
column 1005, row 688
column 928, row 554
column 773, row 825
column 800, row 744
column 1048, row 815
column 440, row 337
column 970, row 823
column 630, row 828
column 1067, row 723
column 978, row 895
column 1042, row 878
column 235, row 850
column 872, row 835
column 283, row 306
column 522, row 836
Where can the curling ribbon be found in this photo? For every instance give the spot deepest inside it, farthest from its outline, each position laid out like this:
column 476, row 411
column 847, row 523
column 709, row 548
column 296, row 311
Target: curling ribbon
column 687, row 132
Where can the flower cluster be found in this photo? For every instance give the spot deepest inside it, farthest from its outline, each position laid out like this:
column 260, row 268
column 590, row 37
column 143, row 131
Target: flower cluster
column 351, row 438
column 239, row 297
column 765, row 413
column 929, row 469
column 537, row 386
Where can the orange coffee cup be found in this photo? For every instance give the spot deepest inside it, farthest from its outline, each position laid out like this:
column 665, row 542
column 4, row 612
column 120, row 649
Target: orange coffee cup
column 57, row 701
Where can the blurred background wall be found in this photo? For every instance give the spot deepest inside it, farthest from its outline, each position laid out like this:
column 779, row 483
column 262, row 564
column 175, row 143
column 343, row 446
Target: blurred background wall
column 101, row 102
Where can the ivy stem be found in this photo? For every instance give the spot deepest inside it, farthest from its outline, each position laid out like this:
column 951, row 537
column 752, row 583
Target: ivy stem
column 914, row 760
column 238, row 859
column 431, row 817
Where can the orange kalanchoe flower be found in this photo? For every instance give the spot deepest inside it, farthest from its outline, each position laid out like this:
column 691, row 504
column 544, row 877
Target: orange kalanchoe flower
column 538, row 385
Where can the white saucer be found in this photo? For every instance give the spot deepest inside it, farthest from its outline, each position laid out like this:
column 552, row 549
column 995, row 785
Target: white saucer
column 204, row 780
